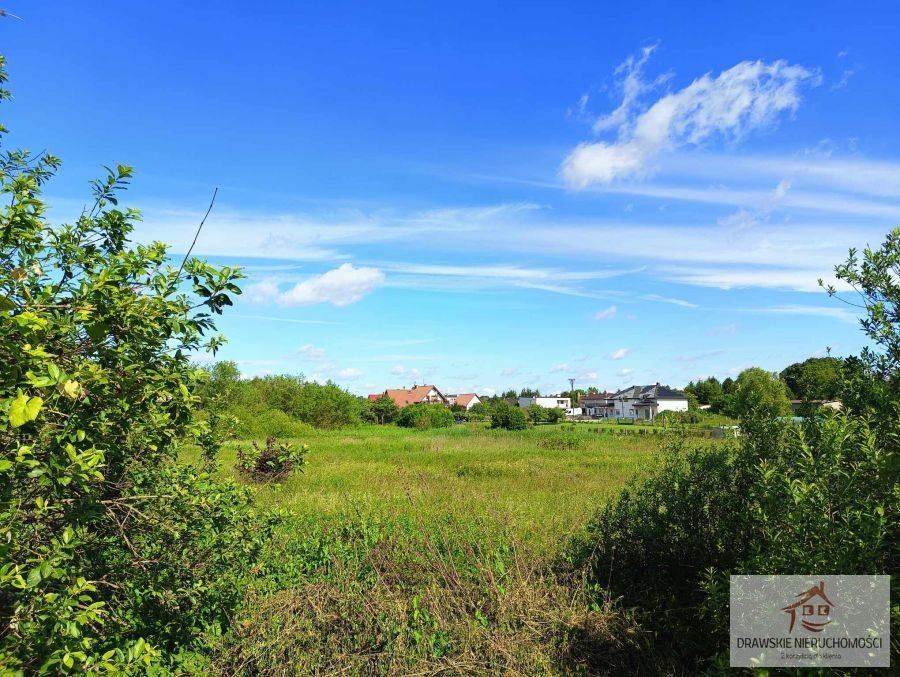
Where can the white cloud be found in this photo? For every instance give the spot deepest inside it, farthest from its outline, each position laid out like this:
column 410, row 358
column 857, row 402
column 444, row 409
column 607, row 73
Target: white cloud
column 792, row 279
column 559, row 368
column 622, row 373
column 349, row 374
column 782, row 188
column 619, row 354
column 749, row 95
column 696, row 357
column 342, row 286
column 842, row 314
column 606, row 313
column 665, row 299
column 311, row 352
column 410, row 372
column 510, row 371
column 724, row 330
column 264, row 291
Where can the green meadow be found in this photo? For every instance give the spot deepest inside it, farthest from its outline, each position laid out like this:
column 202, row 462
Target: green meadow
column 540, row 484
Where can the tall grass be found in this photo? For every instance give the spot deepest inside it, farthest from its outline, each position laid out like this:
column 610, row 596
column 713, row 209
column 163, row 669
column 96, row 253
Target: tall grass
column 542, row 483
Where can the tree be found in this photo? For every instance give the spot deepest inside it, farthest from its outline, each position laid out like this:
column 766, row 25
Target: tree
column 529, row 392
column 761, row 392
column 508, row 417
column 113, row 555
column 536, row 413
column 555, row 415
column 385, row 409
column 817, row 378
column 707, row 390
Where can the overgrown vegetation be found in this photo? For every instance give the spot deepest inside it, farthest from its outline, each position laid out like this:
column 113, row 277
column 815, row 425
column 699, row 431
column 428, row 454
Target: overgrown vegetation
column 270, row 463
column 113, row 556
column 395, row 595
column 823, row 496
column 425, row 416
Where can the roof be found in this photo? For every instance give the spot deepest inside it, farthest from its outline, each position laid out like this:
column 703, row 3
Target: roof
column 652, row 392
column 414, row 395
column 593, row 397
column 463, row 399
column 376, row 396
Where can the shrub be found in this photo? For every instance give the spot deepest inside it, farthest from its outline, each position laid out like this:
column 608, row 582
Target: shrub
column 113, row 556
column 270, row 423
column 555, row 415
column 508, row 417
column 271, row 463
column 425, row 416
column 652, row 544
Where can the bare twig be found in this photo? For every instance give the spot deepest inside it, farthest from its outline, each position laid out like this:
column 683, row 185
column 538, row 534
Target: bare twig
column 197, row 234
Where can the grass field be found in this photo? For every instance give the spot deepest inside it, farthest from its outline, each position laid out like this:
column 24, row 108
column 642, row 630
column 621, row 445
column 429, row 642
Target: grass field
column 541, row 484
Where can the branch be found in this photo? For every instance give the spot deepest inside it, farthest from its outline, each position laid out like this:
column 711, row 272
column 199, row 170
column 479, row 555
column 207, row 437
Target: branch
column 197, row 234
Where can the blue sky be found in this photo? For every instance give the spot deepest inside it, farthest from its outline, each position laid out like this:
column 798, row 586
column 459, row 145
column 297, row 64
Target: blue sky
column 487, row 196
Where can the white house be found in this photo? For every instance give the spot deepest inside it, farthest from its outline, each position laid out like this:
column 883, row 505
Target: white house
column 639, row 402
column 547, row 402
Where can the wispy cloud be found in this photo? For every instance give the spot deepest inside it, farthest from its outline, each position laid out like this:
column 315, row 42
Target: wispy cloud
column 623, row 373
column 666, row 299
column 696, row 357
column 311, row 352
column 619, row 354
column 724, row 330
column 836, row 313
column 747, row 96
column 606, row 313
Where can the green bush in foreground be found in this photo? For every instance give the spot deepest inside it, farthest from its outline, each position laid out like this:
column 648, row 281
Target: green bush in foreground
column 821, row 497
column 425, row 416
column 113, row 557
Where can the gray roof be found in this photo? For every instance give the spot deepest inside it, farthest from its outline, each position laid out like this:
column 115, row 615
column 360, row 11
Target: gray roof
column 651, row 392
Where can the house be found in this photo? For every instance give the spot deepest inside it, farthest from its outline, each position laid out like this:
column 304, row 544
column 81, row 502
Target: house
column 834, row 405
column 547, row 402
column 424, row 394
column 646, row 402
column 465, row 400
column 597, row 405
column 640, row 402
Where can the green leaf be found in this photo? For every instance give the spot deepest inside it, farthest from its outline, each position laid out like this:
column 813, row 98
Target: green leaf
column 24, row 409
column 34, row 577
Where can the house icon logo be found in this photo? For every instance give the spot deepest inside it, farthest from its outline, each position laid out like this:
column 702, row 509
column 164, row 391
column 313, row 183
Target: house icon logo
column 813, row 609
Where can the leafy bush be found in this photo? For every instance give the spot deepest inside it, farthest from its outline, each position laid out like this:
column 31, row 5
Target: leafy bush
column 113, row 556
column 270, row 423
column 508, row 417
column 273, row 462
column 425, row 416
column 652, row 544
